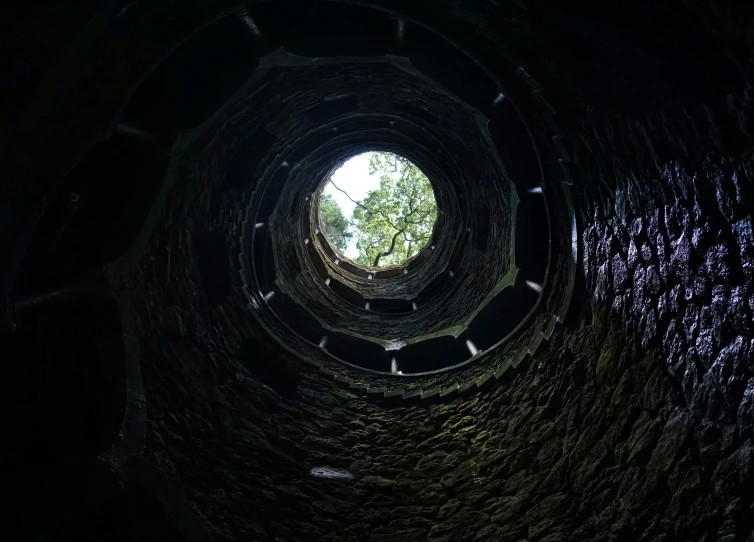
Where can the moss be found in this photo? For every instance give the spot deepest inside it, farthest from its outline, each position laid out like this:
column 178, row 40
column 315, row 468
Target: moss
column 482, row 436
column 453, row 427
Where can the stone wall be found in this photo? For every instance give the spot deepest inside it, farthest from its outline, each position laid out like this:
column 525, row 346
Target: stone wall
column 671, row 251
column 602, row 436
column 592, row 441
column 633, row 423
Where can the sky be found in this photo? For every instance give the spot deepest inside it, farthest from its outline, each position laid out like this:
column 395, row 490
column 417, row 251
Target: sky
column 354, row 178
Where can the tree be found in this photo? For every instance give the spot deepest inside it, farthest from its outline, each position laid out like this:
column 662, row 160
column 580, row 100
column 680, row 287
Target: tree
column 334, row 223
column 395, row 221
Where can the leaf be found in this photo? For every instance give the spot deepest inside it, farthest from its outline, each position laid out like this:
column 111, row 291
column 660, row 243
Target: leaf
column 334, row 223
column 395, row 221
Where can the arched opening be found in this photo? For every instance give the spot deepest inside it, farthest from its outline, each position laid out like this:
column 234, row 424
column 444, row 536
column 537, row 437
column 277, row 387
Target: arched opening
column 378, row 209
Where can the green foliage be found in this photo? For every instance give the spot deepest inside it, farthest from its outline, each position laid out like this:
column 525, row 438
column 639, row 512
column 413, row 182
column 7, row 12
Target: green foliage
column 335, row 224
column 394, row 222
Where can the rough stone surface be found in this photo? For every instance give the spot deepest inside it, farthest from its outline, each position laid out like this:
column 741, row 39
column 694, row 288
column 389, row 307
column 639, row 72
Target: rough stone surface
column 633, row 422
column 599, row 462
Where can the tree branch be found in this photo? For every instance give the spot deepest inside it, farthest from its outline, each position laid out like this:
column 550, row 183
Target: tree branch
column 367, row 209
column 410, row 244
column 390, row 250
column 349, row 197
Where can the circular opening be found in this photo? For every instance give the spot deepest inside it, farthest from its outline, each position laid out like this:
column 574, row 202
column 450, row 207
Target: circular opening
column 378, row 209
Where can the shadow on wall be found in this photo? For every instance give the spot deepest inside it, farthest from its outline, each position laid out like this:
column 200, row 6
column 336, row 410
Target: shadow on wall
column 64, row 400
column 129, row 513
column 269, row 367
column 214, row 265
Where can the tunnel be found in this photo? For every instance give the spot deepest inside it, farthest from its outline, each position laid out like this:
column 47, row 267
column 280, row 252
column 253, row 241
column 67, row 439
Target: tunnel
column 188, row 357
